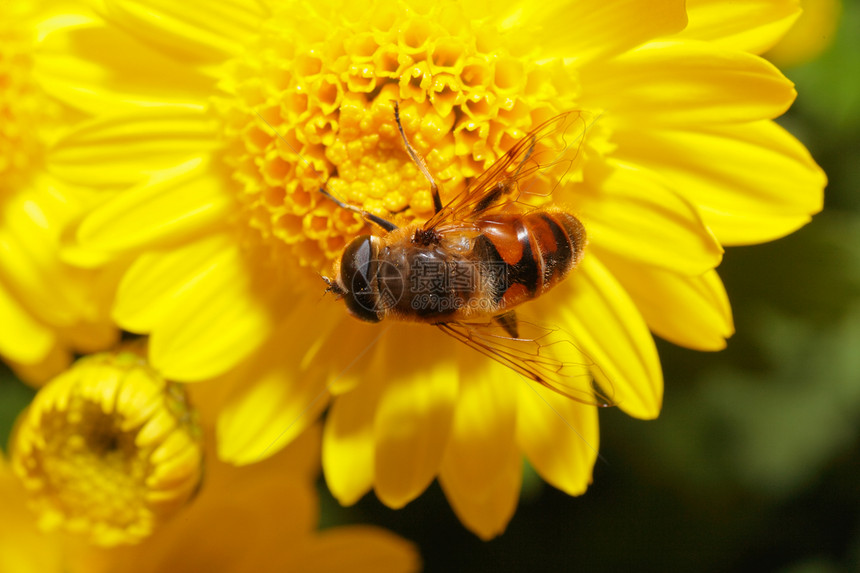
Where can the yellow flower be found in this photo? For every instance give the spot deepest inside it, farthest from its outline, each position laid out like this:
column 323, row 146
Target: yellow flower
column 229, row 233
column 112, row 453
column 108, row 449
column 48, row 309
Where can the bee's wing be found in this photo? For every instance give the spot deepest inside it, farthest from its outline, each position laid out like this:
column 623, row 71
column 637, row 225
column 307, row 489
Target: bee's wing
column 555, row 142
column 546, row 355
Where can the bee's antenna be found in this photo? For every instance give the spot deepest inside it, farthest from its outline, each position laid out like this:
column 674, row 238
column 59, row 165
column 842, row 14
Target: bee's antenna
column 332, row 286
column 388, row 226
column 434, row 189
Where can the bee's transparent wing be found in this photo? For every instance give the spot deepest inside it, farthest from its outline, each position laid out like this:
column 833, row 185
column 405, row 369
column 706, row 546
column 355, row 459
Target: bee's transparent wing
column 554, row 143
column 546, row 355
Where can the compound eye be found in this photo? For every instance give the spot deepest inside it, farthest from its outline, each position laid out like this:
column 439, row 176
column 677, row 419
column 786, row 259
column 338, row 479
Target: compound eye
column 358, row 273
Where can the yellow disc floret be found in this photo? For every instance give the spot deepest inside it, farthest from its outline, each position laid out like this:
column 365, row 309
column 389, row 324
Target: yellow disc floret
column 312, row 105
column 108, row 449
column 22, row 105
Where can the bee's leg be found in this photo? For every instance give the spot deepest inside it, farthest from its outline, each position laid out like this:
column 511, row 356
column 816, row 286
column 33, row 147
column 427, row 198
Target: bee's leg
column 434, row 189
column 387, row 225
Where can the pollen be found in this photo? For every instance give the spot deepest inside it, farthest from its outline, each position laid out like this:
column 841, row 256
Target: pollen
column 108, row 449
column 313, row 106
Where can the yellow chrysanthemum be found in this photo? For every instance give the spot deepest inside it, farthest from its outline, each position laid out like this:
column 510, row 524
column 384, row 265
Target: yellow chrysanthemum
column 113, row 454
column 47, row 308
column 229, row 233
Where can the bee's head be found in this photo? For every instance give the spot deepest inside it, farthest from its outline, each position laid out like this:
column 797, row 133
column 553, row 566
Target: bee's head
column 355, row 280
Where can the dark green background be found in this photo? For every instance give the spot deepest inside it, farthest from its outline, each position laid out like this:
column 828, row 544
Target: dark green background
column 753, row 464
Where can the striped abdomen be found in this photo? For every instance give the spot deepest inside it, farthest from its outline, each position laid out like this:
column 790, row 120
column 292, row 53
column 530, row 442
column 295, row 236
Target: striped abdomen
column 537, row 250
column 459, row 275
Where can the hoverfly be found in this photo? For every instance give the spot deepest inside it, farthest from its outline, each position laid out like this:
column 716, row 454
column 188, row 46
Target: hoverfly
column 481, row 255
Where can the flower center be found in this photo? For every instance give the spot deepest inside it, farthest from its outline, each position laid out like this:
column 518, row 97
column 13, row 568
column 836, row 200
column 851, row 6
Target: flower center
column 312, row 105
column 22, row 104
column 108, row 449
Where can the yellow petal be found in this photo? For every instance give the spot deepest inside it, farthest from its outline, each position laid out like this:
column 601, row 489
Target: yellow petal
column 686, row 82
column 195, row 32
column 349, row 350
column 752, row 25
column 296, row 466
column 37, row 373
column 244, row 512
column 413, row 419
column 688, row 311
column 72, row 65
column 301, row 457
column 156, row 282
column 29, row 264
column 486, row 512
column 121, row 151
column 348, row 444
column 631, row 213
column 267, row 508
column 609, row 329
column 171, row 206
column 364, row 354
column 481, row 470
column 22, row 338
column 215, row 321
column 268, row 413
column 24, row 548
column 357, row 549
column 482, row 433
column 558, row 436
column 752, row 183
column 592, row 29
column 812, row 34
column 273, row 397
column 25, row 271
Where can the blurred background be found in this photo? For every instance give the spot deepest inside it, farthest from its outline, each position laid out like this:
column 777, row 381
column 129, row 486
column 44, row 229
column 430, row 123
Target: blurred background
column 754, row 464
